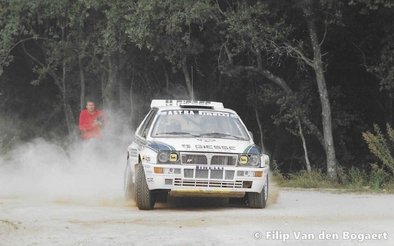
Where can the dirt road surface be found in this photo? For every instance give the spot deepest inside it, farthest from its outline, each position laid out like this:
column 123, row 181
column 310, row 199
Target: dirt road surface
column 298, row 217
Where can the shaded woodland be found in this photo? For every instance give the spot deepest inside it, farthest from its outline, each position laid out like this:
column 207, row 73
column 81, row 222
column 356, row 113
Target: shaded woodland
column 307, row 77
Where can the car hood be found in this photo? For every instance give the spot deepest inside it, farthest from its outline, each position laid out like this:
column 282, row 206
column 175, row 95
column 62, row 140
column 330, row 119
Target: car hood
column 204, row 145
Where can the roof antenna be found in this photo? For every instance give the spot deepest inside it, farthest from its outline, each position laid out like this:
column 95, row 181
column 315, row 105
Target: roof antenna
column 192, row 83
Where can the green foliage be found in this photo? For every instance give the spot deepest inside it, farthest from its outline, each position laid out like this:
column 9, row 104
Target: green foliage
column 275, row 169
column 357, row 178
column 379, row 63
column 373, row 4
column 303, row 179
column 376, row 180
column 382, row 146
column 255, row 28
column 389, row 186
column 143, row 44
column 384, row 66
column 10, row 26
column 169, row 27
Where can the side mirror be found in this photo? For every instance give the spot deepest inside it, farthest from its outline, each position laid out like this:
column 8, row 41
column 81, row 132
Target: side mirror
column 251, row 134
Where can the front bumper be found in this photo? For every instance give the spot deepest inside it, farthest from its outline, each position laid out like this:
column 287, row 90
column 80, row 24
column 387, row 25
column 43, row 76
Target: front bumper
column 198, row 180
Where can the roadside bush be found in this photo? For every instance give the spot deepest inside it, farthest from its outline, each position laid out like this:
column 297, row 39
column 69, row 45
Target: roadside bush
column 382, row 146
column 389, row 186
column 378, row 177
column 357, row 177
column 274, row 168
column 373, row 179
column 314, row 179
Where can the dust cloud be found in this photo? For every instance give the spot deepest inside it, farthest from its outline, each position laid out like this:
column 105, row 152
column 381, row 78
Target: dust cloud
column 83, row 171
column 273, row 192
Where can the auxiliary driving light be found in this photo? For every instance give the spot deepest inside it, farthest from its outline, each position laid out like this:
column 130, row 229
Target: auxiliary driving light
column 166, row 157
column 243, row 160
column 173, row 157
column 250, row 160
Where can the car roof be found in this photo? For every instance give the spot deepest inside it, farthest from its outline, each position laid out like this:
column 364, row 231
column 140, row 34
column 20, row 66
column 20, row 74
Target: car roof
column 158, row 103
column 196, row 108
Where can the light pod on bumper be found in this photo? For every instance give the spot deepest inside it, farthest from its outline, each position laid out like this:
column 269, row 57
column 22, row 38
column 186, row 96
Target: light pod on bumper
column 168, row 157
column 249, row 160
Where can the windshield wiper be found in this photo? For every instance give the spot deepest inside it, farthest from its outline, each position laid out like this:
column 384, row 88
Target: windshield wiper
column 219, row 134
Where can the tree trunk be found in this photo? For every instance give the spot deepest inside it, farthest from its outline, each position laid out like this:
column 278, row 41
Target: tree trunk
column 307, row 162
column 285, row 87
column 102, row 84
column 324, row 100
column 260, row 128
column 110, row 86
column 70, row 122
column 281, row 83
column 131, row 99
column 123, row 86
column 82, row 83
column 61, row 85
column 166, row 76
column 188, row 81
column 389, row 107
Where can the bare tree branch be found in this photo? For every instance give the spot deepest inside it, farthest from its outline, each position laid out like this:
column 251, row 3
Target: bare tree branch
column 18, row 43
column 364, row 61
column 50, row 72
column 229, row 55
column 299, row 54
column 325, row 33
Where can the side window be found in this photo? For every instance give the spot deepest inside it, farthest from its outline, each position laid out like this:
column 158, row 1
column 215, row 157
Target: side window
column 147, row 123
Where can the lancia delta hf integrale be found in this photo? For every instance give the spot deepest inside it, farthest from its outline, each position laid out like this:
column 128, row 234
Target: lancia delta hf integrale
column 194, row 148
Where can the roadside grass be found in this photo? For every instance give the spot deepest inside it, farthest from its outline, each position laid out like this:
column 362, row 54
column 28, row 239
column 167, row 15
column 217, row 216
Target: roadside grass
column 303, row 179
column 355, row 180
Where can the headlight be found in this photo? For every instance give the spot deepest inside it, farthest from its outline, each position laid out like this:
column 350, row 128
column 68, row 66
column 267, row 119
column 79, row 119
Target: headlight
column 254, row 160
column 163, row 157
column 249, row 160
column 167, row 157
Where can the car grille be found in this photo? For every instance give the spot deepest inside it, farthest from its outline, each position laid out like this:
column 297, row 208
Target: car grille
column 194, row 159
column 223, row 160
column 207, row 183
column 210, row 159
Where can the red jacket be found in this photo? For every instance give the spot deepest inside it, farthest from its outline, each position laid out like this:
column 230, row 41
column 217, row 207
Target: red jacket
column 86, row 120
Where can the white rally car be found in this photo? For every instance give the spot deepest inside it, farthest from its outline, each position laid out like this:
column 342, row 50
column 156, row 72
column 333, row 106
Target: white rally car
column 194, row 148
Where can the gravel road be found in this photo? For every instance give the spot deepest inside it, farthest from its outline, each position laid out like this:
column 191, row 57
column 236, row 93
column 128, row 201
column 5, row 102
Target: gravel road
column 294, row 217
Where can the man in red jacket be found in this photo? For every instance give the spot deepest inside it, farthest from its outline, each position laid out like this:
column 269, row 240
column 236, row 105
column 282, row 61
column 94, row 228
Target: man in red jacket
column 90, row 121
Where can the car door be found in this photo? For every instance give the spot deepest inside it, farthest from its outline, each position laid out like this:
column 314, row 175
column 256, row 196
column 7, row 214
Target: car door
column 140, row 138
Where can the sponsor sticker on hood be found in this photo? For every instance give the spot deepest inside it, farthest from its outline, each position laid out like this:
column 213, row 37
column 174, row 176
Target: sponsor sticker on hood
column 204, row 145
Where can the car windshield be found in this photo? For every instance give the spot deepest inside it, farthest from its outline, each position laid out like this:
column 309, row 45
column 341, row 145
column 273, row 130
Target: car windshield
column 199, row 123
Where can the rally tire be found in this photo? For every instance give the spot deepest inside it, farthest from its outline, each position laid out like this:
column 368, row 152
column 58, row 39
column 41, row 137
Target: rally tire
column 144, row 198
column 129, row 187
column 258, row 200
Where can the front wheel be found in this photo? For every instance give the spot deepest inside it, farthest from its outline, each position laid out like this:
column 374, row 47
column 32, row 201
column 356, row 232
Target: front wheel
column 144, row 197
column 258, row 200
